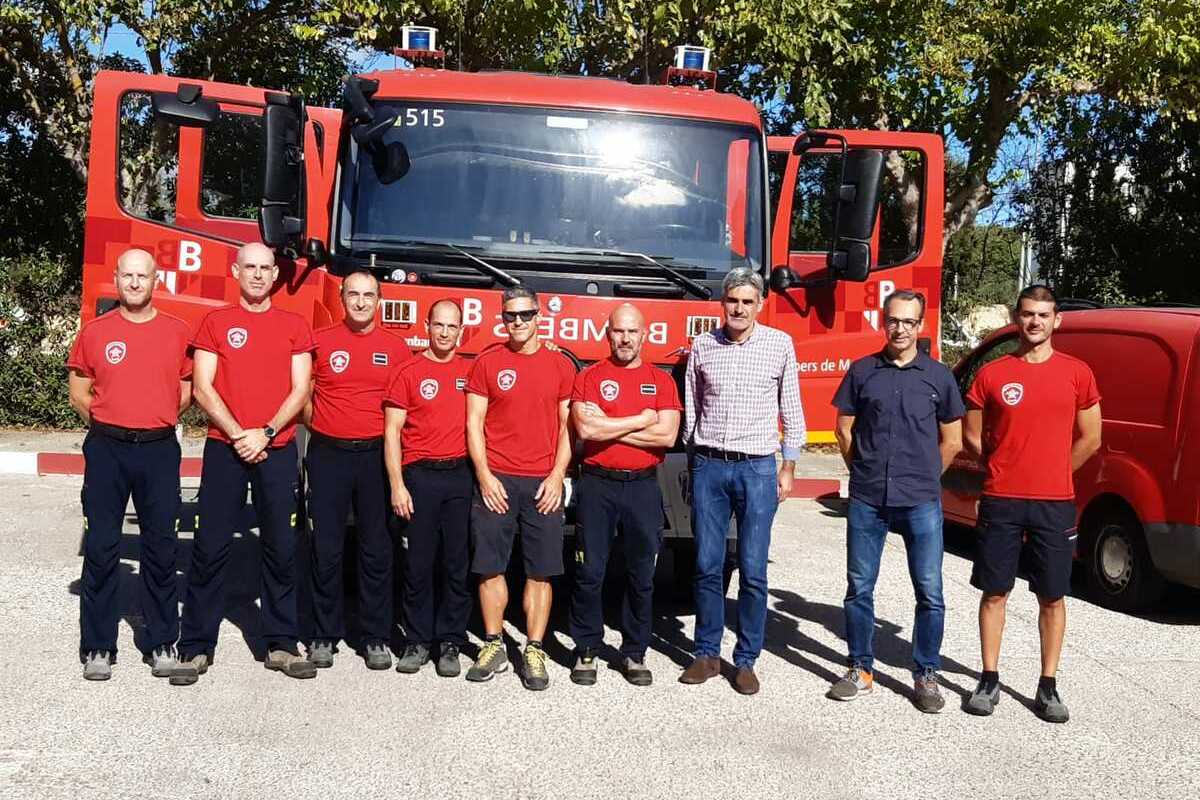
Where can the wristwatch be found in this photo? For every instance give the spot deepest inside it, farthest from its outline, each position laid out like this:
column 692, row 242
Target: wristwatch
column 269, row 431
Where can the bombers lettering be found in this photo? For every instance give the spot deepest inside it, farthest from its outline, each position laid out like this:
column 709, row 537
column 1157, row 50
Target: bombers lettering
column 579, row 329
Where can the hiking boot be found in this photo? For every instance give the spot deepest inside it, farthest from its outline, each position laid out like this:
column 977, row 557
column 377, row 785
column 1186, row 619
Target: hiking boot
column 584, row 671
column 857, row 681
column 701, row 669
column 413, row 658
column 321, row 653
column 534, row 675
column 377, row 656
column 447, row 664
column 97, row 665
column 927, row 694
column 290, row 664
column 162, row 660
column 636, row 672
column 982, row 702
column 492, row 658
column 189, row 670
column 1049, row 706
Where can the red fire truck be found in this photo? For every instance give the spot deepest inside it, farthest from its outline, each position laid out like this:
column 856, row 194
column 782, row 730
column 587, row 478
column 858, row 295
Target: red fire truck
column 589, row 190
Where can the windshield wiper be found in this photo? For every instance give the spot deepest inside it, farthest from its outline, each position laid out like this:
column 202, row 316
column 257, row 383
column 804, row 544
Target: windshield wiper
column 676, row 277
column 477, row 262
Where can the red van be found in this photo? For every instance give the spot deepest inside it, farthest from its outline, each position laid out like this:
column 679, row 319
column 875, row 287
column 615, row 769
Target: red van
column 1138, row 498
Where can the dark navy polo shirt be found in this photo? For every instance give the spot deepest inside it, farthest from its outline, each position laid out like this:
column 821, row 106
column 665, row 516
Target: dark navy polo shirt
column 896, row 414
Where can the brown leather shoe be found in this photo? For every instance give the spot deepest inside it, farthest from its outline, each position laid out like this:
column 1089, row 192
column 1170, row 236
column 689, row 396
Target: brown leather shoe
column 703, row 668
column 745, row 682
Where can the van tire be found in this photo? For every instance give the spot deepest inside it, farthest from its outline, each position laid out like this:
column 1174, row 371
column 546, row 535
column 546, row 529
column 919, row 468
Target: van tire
column 1120, row 572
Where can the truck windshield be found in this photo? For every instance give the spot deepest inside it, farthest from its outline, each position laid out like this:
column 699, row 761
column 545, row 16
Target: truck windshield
column 529, row 183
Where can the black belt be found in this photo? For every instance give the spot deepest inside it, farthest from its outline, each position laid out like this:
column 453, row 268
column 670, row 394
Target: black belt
column 619, row 474
column 723, row 455
column 353, row 445
column 438, row 463
column 135, row 435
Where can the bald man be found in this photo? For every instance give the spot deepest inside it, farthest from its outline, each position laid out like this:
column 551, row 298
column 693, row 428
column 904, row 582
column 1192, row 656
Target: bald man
column 129, row 380
column 252, row 373
column 626, row 412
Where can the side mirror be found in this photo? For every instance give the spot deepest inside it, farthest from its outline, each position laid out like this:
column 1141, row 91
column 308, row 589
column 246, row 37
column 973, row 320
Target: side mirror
column 316, row 253
column 854, row 215
column 782, row 279
column 390, row 161
column 279, row 220
column 187, row 107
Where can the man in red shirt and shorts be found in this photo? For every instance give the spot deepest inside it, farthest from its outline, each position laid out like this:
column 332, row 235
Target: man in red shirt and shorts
column 129, row 382
column 252, row 375
column 431, row 483
column 1023, row 411
column 517, row 407
column 627, row 414
column 354, row 361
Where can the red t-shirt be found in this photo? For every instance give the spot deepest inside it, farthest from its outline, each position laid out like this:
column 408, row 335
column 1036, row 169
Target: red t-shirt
column 624, row 392
column 1029, row 423
column 254, row 363
column 135, row 368
column 433, row 395
column 523, row 392
column 351, row 373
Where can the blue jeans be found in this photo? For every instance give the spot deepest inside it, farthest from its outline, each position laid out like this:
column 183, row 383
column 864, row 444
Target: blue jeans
column 866, row 529
column 747, row 491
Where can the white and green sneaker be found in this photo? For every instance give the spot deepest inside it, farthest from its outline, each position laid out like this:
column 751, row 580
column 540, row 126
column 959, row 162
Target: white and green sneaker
column 492, row 658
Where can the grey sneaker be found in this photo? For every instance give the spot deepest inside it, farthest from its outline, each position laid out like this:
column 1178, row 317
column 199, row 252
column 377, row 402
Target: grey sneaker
column 584, row 671
column 927, row 695
column 447, row 664
column 492, row 658
column 534, row 675
column 413, row 658
column 636, row 672
column 982, row 703
column 377, row 656
column 855, row 683
column 97, row 666
column 321, row 653
column 188, row 671
column 1049, row 706
column 162, row 661
column 290, row 664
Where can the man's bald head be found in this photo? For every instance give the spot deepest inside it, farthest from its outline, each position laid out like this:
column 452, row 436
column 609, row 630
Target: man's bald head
column 627, row 315
column 255, row 253
column 626, row 333
column 135, row 277
column 255, row 271
column 136, row 257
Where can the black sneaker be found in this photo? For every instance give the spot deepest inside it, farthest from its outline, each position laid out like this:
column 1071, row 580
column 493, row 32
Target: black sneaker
column 584, row 671
column 636, row 672
column 533, row 672
column 377, row 656
column 447, row 663
column 1049, row 706
column 414, row 657
column 982, row 703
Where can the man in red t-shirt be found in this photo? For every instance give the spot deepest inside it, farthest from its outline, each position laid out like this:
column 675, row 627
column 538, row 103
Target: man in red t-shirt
column 626, row 412
column 252, row 374
column 129, row 380
column 1034, row 418
column 517, row 406
column 431, row 482
column 354, row 360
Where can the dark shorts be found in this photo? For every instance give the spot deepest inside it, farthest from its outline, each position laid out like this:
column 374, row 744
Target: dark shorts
column 1050, row 549
column 492, row 534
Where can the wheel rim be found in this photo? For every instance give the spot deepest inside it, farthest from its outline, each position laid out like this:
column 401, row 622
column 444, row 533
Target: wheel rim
column 1115, row 558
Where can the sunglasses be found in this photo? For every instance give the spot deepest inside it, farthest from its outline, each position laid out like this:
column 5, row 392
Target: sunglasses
column 525, row 316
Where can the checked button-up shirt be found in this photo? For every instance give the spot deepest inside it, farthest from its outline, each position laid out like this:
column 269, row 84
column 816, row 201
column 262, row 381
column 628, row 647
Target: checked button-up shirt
column 737, row 393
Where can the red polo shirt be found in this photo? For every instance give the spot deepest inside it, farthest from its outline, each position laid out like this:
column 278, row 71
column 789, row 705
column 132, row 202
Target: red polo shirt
column 624, row 392
column 433, row 395
column 351, row 372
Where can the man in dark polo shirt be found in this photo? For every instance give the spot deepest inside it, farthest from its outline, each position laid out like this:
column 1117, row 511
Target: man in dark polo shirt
column 898, row 427
column 626, row 412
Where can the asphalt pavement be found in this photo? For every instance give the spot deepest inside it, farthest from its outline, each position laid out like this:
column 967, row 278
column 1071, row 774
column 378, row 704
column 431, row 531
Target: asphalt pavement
column 1132, row 684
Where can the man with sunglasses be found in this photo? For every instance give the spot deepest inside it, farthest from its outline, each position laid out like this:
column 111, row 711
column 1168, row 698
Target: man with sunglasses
column 898, row 427
column 518, row 398
column 252, row 375
column 355, row 359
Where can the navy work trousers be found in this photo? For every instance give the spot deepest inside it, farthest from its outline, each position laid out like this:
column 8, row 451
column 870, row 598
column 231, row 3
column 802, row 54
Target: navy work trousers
column 437, row 601
column 605, row 503
column 223, row 480
column 338, row 479
column 114, row 470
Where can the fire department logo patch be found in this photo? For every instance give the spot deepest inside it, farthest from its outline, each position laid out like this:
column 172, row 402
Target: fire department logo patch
column 555, row 304
column 339, row 360
column 1011, row 393
column 114, row 352
column 609, row 390
column 429, row 388
column 506, row 379
column 237, row 337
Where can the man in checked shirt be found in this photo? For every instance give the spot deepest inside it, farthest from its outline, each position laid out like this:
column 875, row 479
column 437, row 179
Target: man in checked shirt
column 742, row 379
